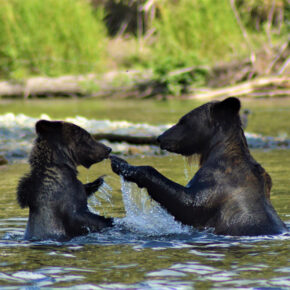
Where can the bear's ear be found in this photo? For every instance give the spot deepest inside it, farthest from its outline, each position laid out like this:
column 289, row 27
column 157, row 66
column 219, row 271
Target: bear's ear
column 229, row 106
column 46, row 128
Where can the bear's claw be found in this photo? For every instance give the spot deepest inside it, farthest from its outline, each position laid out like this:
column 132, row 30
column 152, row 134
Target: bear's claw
column 119, row 165
column 92, row 187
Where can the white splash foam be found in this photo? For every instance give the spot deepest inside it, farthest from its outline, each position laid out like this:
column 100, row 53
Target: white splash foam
column 104, row 193
column 17, row 133
column 143, row 215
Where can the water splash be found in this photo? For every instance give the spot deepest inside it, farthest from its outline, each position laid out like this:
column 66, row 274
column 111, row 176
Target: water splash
column 143, row 215
column 186, row 174
column 104, row 193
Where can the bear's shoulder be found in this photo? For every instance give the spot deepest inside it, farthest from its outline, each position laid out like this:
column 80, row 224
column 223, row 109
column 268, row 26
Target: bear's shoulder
column 41, row 181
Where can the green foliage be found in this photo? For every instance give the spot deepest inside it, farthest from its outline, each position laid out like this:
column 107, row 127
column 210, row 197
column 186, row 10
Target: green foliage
column 57, row 37
column 197, row 31
column 50, row 37
column 176, row 82
column 192, row 33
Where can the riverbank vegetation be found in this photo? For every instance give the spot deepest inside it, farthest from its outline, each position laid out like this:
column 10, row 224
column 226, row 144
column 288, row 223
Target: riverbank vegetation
column 169, row 47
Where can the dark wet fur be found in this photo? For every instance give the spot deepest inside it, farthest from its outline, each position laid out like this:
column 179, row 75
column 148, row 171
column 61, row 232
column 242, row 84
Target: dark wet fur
column 230, row 192
column 57, row 200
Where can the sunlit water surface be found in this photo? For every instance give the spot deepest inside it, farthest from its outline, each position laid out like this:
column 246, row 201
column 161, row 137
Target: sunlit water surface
column 147, row 248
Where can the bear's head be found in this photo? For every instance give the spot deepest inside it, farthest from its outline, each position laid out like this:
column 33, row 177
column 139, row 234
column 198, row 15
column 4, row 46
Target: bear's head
column 194, row 131
column 71, row 142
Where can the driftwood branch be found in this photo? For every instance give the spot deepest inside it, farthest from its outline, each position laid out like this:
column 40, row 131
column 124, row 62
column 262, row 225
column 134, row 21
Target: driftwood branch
column 285, row 66
column 137, row 140
column 73, row 85
column 260, row 86
column 43, row 86
column 282, row 49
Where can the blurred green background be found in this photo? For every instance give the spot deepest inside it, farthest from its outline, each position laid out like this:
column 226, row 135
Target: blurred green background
column 177, row 40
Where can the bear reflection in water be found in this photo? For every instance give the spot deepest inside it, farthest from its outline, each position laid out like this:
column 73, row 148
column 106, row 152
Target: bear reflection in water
column 57, row 200
column 229, row 193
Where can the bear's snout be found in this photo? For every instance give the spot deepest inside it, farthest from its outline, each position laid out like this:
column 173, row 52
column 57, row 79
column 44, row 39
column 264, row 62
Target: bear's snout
column 166, row 143
column 103, row 151
column 108, row 151
column 160, row 140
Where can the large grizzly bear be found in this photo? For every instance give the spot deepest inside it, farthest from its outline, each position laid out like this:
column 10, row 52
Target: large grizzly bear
column 230, row 192
column 57, row 200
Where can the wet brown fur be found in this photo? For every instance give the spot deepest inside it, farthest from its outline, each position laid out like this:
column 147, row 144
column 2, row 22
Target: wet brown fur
column 230, row 192
column 57, row 200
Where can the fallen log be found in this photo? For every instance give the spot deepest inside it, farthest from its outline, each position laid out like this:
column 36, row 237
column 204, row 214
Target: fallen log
column 136, row 140
column 139, row 85
column 73, row 85
column 258, row 86
column 43, row 86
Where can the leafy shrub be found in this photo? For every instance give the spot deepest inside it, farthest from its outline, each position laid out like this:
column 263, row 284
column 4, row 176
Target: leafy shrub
column 50, row 37
column 193, row 33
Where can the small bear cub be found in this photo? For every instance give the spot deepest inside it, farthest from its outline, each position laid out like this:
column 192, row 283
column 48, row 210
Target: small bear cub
column 57, row 200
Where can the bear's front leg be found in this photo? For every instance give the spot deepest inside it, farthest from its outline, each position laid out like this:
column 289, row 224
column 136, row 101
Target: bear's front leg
column 92, row 187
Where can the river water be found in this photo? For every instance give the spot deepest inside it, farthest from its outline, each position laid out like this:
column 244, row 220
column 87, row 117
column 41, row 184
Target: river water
column 147, row 248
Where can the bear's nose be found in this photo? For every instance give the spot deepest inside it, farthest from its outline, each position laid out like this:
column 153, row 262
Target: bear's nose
column 158, row 139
